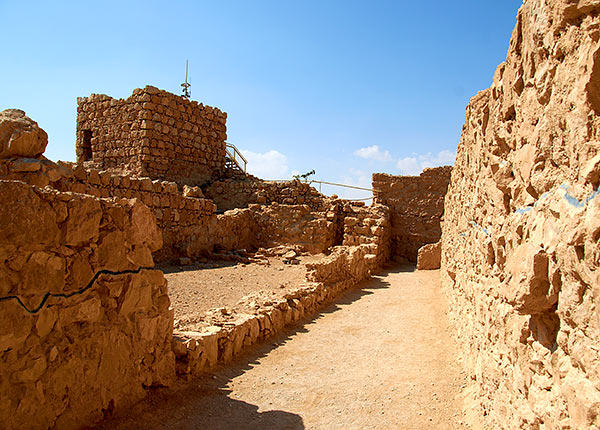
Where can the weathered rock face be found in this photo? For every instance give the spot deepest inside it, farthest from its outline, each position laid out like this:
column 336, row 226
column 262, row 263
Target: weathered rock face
column 521, row 227
column 20, row 136
column 85, row 323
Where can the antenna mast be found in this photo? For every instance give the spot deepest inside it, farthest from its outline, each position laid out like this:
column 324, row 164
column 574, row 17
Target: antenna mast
column 186, row 85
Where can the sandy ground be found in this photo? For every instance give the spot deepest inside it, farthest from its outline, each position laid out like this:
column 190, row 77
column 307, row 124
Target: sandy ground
column 195, row 289
column 382, row 357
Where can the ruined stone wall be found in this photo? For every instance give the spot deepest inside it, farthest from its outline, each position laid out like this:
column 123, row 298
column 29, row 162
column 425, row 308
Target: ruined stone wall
column 189, row 225
column 522, row 225
column 417, row 206
column 85, row 324
column 293, row 225
column 263, row 227
column 179, row 218
column 368, row 225
column 152, row 133
column 267, row 226
column 239, row 193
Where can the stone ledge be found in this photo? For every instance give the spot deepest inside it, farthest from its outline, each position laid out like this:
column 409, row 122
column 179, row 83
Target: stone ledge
column 229, row 333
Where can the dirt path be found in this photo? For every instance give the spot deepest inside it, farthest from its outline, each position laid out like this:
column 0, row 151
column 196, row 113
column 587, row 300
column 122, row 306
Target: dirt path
column 382, row 357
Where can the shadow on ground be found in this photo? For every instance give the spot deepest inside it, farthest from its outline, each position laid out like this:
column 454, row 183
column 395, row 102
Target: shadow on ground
column 201, row 404
column 205, row 403
column 173, row 268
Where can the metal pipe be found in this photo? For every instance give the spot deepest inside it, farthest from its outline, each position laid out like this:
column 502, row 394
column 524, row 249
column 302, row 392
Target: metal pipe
column 342, row 185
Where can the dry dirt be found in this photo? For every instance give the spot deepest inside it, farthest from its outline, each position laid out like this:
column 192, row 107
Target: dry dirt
column 382, row 357
column 195, row 289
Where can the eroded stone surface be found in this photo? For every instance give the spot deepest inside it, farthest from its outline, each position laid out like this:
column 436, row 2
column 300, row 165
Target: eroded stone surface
column 20, row 136
column 429, row 257
column 76, row 342
column 520, row 232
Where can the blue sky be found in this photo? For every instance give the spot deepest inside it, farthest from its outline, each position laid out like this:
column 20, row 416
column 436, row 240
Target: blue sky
column 347, row 88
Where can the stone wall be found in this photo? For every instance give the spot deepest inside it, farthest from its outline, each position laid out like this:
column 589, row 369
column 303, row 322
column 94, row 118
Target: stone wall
column 178, row 217
column 368, row 225
column 239, row 193
column 417, row 207
column 522, row 225
column 152, row 133
column 190, row 226
column 85, row 324
column 293, row 225
column 260, row 226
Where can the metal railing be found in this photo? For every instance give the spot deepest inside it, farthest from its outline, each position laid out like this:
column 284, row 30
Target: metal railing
column 236, row 156
column 340, row 185
column 314, row 181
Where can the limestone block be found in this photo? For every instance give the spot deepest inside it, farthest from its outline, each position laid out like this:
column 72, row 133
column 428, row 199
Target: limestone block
column 25, row 165
column 26, row 218
column 83, row 223
column 143, row 229
column 192, row 192
column 20, row 136
column 429, row 256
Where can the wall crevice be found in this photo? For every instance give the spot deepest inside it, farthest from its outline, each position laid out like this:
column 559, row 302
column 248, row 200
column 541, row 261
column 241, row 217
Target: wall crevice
column 48, row 294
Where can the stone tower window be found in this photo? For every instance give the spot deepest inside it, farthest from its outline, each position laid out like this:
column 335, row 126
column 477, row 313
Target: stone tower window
column 86, row 145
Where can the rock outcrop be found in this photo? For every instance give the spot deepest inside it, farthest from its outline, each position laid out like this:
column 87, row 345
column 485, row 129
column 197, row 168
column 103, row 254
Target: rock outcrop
column 20, row 136
column 521, row 226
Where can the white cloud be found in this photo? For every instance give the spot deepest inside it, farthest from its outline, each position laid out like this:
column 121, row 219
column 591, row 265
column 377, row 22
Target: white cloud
column 373, row 153
column 415, row 164
column 409, row 166
column 269, row 165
